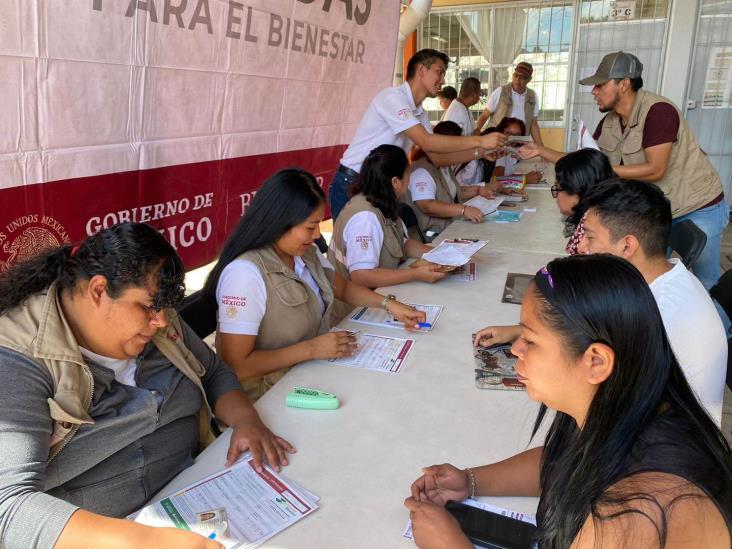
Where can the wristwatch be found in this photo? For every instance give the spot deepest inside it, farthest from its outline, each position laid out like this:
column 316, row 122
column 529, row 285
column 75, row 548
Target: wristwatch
column 386, row 300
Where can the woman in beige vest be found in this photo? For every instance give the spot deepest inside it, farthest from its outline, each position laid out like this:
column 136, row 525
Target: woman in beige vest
column 369, row 239
column 433, row 192
column 103, row 388
column 275, row 291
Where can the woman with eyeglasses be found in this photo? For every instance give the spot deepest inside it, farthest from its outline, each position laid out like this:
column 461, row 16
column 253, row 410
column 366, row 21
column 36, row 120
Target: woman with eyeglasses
column 576, row 174
column 631, row 458
column 505, row 165
column 107, row 394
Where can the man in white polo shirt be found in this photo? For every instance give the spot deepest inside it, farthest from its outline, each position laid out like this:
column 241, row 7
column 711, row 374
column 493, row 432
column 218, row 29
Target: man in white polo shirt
column 395, row 116
column 459, row 112
column 515, row 100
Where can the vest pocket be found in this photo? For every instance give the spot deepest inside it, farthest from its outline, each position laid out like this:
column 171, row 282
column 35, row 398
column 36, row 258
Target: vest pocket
column 633, row 143
column 608, row 143
column 291, row 292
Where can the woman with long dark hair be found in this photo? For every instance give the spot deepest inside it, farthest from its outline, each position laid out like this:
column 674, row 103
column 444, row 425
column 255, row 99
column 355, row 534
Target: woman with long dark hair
column 275, row 291
column 631, row 458
column 369, row 239
column 103, row 389
column 576, row 174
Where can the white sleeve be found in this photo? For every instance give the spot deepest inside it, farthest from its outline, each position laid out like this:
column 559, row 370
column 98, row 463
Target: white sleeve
column 492, row 102
column 472, row 174
column 363, row 237
column 394, row 109
column 404, row 230
column 324, row 261
column 425, row 121
column 421, row 185
column 242, row 298
column 456, row 114
column 536, row 113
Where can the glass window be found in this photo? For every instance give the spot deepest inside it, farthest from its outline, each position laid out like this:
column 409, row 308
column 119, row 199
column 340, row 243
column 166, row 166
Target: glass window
column 487, row 42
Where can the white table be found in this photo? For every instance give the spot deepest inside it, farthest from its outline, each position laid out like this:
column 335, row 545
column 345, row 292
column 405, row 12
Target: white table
column 539, row 231
column 362, row 458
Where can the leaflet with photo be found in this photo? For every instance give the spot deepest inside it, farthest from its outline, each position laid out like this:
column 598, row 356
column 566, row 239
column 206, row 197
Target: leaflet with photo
column 238, row 506
column 495, row 368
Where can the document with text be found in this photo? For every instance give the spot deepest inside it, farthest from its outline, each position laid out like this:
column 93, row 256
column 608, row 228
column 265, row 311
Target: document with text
column 238, row 507
column 456, row 251
column 376, row 352
column 380, row 317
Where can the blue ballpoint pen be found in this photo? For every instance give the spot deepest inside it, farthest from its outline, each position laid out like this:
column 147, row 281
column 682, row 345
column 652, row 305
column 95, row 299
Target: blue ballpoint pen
column 424, row 325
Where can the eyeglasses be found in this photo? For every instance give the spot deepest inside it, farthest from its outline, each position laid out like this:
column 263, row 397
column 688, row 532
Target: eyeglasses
column 555, row 190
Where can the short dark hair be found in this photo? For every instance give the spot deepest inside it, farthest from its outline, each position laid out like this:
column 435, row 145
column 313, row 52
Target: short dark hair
column 469, row 86
column 285, row 200
column 128, row 255
column 425, row 57
column 374, row 181
column 577, row 173
column 635, row 83
column 636, row 208
column 447, row 92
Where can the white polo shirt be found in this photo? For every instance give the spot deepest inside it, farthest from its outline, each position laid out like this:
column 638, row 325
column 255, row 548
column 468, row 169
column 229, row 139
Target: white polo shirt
column 388, row 115
column 423, row 187
column 459, row 113
column 472, row 174
column 364, row 238
column 696, row 334
column 242, row 295
column 517, row 109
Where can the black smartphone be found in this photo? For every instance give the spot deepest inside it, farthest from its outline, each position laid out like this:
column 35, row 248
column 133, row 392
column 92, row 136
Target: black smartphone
column 491, row 530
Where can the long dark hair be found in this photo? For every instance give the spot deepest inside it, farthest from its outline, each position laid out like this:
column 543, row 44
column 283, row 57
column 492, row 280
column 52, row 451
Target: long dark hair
column 374, row 181
column 127, row 255
column 576, row 174
column 601, row 298
column 285, row 200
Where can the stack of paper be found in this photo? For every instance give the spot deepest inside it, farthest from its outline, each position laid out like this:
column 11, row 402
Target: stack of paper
column 485, row 205
column 455, row 252
column 238, row 507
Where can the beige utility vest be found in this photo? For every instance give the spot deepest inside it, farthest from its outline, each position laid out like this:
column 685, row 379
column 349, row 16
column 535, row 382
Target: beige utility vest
column 505, row 107
column 690, row 181
column 39, row 330
column 392, row 249
column 293, row 310
column 442, row 193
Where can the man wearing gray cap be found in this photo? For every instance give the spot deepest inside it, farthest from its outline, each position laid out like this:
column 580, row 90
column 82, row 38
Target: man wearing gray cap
column 646, row 137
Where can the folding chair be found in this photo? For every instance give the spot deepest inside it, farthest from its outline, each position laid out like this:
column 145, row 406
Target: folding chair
column 688, row 241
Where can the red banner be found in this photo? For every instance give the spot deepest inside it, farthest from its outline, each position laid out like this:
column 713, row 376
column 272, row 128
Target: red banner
column 194, row 205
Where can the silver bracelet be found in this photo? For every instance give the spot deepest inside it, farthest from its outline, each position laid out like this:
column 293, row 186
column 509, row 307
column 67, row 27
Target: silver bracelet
column 471, row 479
